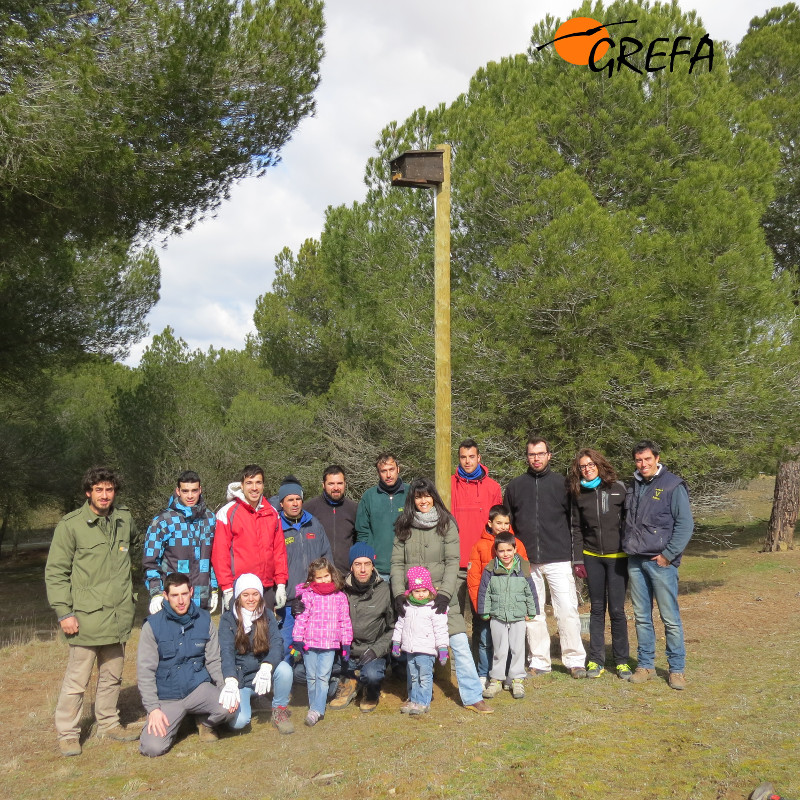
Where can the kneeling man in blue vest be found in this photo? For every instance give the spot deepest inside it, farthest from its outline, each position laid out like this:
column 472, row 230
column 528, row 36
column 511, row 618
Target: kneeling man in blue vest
column 179, row 669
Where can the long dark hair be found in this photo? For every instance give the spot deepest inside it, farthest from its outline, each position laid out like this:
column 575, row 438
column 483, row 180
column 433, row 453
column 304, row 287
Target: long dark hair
column 404, row 523
column 604, row 470
column 260, row 643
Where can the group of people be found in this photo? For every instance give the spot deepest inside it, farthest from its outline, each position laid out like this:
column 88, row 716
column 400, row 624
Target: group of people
column 332, row 594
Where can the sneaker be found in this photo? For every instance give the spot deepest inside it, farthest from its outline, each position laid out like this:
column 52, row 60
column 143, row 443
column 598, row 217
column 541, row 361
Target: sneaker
column 517, row 689
column 484, row 680
column 121, row 734
column 493, row 688
column 69, row 747
column 594, row 670
column 577, row 672
column 406, row 707
column 481, row 707
column 677, row 681
column 207, row 735
column 624, row 672
column 312, row 718
column 369, row 703
column 417, row 710
column 642, row 675
column 280, row 719
column 344, row 693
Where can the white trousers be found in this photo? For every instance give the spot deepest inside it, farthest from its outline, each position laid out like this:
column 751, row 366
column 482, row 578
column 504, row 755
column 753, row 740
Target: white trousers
column 564, row 597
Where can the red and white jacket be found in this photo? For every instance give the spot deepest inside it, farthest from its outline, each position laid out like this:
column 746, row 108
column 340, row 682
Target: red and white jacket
column 248, row 539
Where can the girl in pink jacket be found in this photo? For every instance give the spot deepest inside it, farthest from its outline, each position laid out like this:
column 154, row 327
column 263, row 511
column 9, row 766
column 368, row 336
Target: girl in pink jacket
column 422, row 634
column 320, row 630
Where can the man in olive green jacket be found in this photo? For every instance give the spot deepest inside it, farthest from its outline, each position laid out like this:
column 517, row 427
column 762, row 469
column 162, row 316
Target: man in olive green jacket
column 88, row 578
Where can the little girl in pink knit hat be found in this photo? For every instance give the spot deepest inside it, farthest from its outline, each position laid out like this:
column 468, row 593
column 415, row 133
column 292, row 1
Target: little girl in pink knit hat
column 421, row 633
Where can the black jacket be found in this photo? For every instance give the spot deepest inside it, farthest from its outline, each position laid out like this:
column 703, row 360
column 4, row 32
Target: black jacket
column 340, row 525
column 598, row 516
column 540, row 515
column 372, row 617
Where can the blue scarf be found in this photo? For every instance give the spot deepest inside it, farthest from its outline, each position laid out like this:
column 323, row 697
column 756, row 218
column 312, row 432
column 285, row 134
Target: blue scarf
column 591, row 484
column 475, row 475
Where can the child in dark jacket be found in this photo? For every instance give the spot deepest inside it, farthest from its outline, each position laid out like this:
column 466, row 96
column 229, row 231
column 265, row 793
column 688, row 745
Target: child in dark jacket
column 251, row 649
column 507, row 597
column 422, row 634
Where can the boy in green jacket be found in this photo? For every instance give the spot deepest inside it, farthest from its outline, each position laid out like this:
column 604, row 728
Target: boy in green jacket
column 507, row 597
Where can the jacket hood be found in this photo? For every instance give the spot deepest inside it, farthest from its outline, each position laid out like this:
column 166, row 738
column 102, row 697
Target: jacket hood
column 235, row 492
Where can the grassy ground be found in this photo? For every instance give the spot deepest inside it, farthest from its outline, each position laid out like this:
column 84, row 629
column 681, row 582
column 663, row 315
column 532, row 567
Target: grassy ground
column 734, row 726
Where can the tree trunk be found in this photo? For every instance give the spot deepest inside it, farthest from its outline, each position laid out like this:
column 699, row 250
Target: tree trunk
column 785, row 507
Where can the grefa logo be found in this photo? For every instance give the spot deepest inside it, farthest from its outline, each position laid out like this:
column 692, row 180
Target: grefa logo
column 584, row 41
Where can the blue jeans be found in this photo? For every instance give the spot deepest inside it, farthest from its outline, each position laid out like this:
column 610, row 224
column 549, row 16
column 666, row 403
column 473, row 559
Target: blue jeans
column 648, row 581
column 482, row 644
column 281, row 687
column 370, row 675
column 469, row 685
column 419, row 668
column 319, row 664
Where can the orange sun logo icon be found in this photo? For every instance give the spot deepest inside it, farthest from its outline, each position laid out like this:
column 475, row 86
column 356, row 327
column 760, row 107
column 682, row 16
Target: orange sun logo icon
column 576, row 37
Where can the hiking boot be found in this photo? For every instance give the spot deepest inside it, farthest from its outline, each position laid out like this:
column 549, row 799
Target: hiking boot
column 121, row 734
column 624, row 672
column 345, row 693
column 535, row 673
column 577, row 672
column 677, row 681
column 417, row 710
column 493, row 688
column 312, row 718
column 481, row 707
column 69, row 747
column 642, row 675
column 369, row 702
column 406, row 707
column 517, row 689
column 594, row 670
column 207, row 735
column 280, row 719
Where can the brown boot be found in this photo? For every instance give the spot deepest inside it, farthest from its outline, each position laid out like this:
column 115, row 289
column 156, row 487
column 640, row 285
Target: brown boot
column 207, row 735
column 69, row 747
column 344, row 694
column 676, row 680
column 119, row 733
column 642, row 675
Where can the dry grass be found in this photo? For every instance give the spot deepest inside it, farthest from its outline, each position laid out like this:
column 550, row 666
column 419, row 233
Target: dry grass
column 734, row 726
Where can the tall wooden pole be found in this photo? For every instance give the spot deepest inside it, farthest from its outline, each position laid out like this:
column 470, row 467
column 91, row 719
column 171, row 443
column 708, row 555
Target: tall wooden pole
column 442, row 328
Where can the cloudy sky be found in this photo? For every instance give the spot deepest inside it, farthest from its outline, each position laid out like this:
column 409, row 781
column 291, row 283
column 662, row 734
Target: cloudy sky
column 382, row 62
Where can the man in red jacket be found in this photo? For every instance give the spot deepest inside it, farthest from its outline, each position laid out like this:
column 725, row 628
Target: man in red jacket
column 249, row 538
column 472, row 494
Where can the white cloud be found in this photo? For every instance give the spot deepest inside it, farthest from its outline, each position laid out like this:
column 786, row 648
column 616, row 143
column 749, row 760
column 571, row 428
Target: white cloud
column 382, row 62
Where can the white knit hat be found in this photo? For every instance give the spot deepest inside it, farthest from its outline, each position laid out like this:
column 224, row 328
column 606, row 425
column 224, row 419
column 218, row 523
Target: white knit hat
column 247, row 581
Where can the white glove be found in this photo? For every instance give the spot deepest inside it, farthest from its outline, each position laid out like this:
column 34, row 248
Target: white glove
column 229, row 696
column 227, row 596
column 156, row 601
column 213, row 602
column 280, row 595
column 263, row 680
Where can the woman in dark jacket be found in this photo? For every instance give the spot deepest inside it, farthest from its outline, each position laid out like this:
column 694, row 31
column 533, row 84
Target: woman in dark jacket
column 598, row 514
column 426, row 535
column 251, row 649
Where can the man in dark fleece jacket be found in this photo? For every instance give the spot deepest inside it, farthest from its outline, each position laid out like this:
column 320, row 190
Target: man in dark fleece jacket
column 658, row 526
column 337, row 513
column 540, row 516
